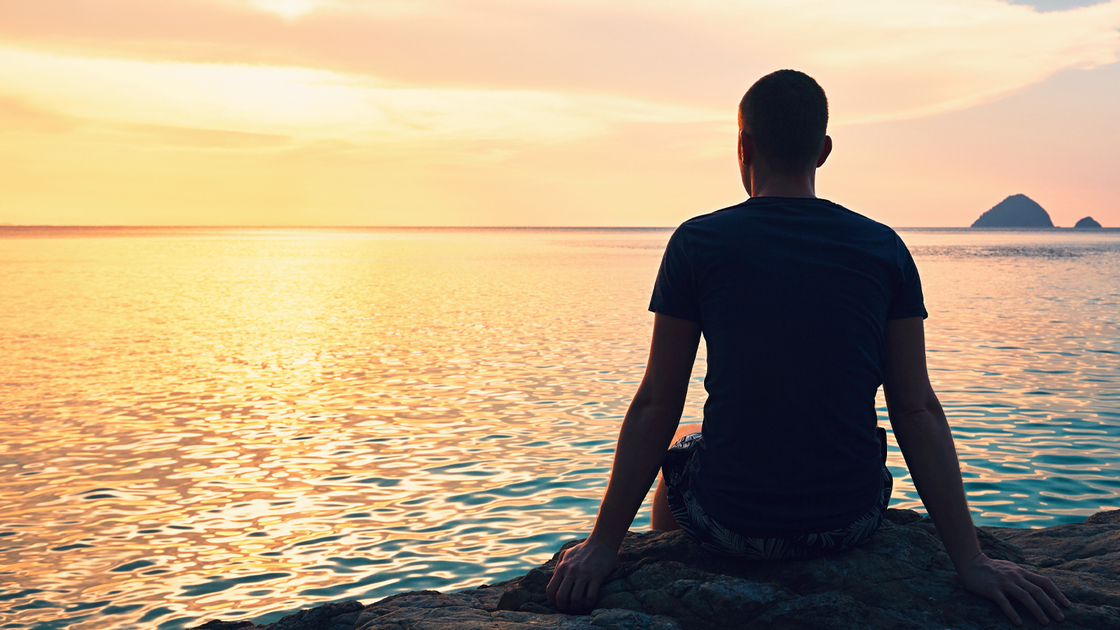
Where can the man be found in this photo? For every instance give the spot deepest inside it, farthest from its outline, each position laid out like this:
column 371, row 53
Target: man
column 806, row 308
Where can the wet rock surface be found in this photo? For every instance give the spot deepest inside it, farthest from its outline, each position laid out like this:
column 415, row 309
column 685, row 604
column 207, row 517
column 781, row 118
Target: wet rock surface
column 900, row 579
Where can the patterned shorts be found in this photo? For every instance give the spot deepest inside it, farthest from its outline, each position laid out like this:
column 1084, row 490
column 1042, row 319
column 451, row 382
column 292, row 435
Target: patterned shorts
column 714, row 537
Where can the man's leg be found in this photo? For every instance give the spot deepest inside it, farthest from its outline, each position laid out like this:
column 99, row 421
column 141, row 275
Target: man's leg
column 662, row 517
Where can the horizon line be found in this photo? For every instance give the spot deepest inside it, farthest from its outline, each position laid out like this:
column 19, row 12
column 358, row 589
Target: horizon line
column 478, row 227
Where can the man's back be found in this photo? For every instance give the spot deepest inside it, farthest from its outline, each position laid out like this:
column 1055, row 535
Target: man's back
column 793, row 296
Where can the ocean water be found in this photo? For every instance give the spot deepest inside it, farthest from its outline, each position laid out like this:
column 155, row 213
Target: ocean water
column 236, row 423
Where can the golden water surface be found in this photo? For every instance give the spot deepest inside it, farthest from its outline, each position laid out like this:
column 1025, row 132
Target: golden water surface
column 234, row 423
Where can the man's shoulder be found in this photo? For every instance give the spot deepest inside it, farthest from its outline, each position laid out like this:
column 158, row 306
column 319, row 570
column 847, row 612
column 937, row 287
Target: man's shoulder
column 861, row 218
column 759, row 210
column 716, row 217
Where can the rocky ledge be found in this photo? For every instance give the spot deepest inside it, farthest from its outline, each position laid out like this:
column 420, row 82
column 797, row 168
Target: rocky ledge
column 901, row 578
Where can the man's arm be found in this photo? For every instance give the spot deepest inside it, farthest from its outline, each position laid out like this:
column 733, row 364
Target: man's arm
column 646, row 431
column 923, row 434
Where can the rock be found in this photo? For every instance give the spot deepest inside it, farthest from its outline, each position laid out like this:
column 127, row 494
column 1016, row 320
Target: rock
column 900, row 579
column 1017, row 211
column 1087, row 222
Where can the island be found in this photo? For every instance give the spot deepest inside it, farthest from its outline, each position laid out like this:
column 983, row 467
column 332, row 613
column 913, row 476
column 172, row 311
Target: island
column 900, row 579
column 1017, row 211
column 1087, row 222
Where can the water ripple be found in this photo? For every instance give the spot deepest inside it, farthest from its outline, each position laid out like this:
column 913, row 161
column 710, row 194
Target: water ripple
column 229, row 422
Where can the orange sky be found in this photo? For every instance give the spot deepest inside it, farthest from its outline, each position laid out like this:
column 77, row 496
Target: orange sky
column 541, row 112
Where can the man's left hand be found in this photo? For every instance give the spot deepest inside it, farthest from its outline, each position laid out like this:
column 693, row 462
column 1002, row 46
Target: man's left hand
column 1004, row 581
column 580, row 571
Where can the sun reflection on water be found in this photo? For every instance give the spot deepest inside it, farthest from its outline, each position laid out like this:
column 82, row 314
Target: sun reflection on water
column 203, row 423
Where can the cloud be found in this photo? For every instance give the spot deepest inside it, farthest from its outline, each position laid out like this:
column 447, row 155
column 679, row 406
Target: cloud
column 16, row 115
column 878, row 59
column 290, row 9
column 926, row 57
column 1056, row 5
column 295, row 9
column 458, row 112
column 314, row 104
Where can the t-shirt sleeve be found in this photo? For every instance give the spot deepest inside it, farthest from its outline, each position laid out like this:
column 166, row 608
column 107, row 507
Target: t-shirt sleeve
column 907, row 300
column 674, row 293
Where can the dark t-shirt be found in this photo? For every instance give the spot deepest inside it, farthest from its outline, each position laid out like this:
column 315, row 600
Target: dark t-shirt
column 793, row 296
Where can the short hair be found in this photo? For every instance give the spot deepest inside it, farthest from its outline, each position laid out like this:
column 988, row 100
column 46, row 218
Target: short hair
column 786, row 113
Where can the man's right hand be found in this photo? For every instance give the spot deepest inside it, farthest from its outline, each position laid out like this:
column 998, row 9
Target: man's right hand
column 647, row 430
column 580, row 571
column 1003, row 581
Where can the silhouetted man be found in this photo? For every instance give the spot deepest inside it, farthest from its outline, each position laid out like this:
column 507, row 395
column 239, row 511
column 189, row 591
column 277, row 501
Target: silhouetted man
column 806, row 308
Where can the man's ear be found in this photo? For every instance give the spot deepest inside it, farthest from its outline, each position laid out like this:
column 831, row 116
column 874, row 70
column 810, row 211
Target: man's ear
column 746, row 155
column 826, row 149
column 746, row 147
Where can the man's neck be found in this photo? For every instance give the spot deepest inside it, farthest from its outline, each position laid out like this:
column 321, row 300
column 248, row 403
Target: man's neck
column 773, row 185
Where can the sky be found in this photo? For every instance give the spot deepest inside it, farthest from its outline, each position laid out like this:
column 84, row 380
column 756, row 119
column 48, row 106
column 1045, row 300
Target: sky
column 542, row 112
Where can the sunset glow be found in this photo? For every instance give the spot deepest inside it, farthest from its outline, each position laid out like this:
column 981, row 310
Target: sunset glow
column 543, row 112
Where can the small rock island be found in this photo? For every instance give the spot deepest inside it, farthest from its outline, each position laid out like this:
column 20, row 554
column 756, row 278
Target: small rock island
column 1017, row 211
column 1087, row 222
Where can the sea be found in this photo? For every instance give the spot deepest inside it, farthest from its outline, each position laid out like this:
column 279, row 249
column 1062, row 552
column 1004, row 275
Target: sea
column 234, row 423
